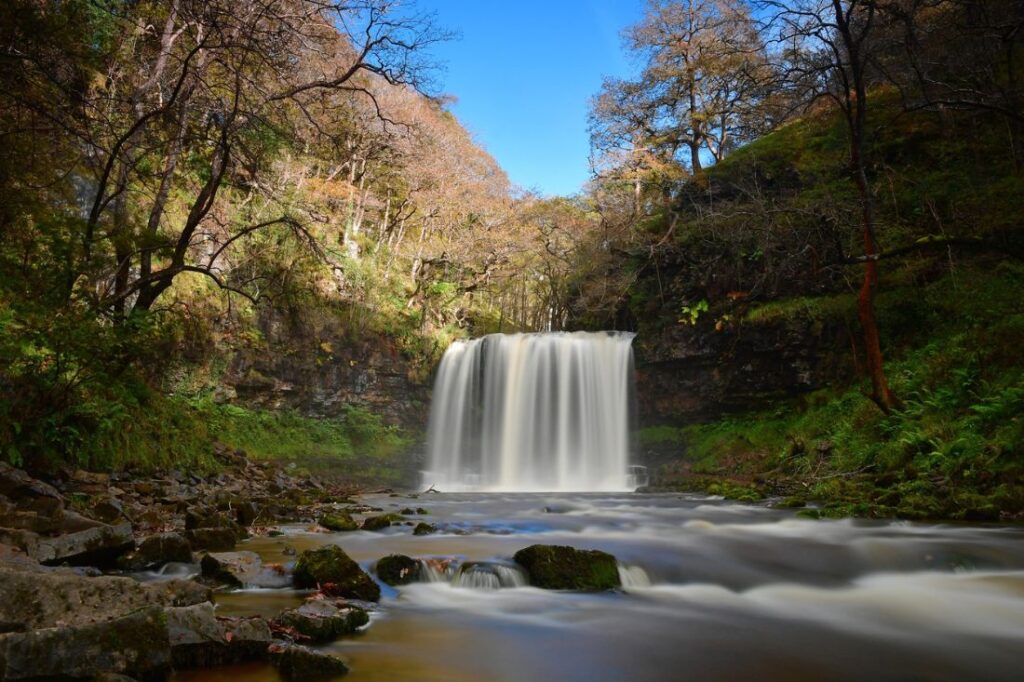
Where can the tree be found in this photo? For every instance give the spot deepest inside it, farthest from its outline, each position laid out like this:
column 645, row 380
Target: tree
column 181, row 111
column 703, row 71
column 825, row 53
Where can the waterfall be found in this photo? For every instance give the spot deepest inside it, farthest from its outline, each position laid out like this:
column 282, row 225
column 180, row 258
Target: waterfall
column 532, row 412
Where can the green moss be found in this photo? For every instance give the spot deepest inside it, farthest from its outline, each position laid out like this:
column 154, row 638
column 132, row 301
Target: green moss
column 556, row 567
column 331, row 570
column 398, row 569
column 338, row 522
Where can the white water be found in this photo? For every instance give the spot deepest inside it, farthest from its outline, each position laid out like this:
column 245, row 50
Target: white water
column 532, row 412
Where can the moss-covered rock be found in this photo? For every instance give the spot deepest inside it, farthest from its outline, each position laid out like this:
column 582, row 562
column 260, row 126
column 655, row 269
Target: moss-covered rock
column 557, row 567
column 333, row 571
column 424, row 529
column 398, row 569
column 381, row 521
column 295, row 662
column 339, row 522
column 323, row 621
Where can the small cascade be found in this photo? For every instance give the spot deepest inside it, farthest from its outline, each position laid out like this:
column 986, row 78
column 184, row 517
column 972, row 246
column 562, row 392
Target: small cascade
column 437, row 570
column 633, row 577
column 533, row 412
column 483, row 575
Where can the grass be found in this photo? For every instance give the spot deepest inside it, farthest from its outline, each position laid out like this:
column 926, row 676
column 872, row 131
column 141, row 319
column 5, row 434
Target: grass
column 955, row 449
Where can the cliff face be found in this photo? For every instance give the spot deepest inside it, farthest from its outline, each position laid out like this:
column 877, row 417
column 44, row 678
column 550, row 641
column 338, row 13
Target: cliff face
column 692, row 373
column 317, row 371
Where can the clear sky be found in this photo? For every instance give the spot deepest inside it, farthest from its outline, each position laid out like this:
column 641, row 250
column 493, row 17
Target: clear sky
column 524, row 72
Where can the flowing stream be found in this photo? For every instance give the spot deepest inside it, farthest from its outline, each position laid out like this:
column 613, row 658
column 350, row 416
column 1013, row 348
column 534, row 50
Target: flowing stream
column 712, row 591
column 529, row 412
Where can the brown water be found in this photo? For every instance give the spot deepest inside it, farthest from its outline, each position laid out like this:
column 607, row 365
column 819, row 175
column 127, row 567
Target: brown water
column 714, row 591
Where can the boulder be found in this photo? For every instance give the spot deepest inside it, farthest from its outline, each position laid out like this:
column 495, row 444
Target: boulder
column 295, row 662
column 156, row 550
column 199, row 639
column 16, row 484
column 212, row 539
column 323, row 621
column 424, row 529
column 379, row 522
column 333, row 571
column 340, row 521
column 49, row 597
column 243, row 569
column 556, row 567
column 398, row 569
column 135, row 644
column 100, row 545
column 246, row 513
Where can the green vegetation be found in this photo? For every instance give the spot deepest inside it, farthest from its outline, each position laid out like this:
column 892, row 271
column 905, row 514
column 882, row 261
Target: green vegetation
column 954, row 450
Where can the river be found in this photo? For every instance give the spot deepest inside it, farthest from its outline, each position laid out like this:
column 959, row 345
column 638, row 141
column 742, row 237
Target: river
column 714, row 590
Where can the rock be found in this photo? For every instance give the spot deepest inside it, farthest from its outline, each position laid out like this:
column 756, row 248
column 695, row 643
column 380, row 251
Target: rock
column 379, row 522
column 16, row 484
column 408, row 511
column 246, row 513
column 158, row 549
column 199, row 639
column 556, row 567
column 323, row 621
column 40, row 524
column 341, row 521
column 421, row 511
column 330, row 569
column 135, row 644
column 100, row 545
column 213, row 539
column 107, row 511
column 398, row 569
column 195, row 520
column 295, row 662
column 424, row 529
column 243, row 569
column 49, row 597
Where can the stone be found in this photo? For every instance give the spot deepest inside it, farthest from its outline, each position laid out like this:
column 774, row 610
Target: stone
column 156, row 550
column 323, row 621
column 424, row 529
column 338, row 522
column 398, row 569
column 47, row 598
column 334, row 572
column 246, row 513
column 243, row 569
column 100, row 545
column 16, row 484
column 135, row 644
column 213, row 539
column 198, row 639
column 379, row 522
column 40, row 524
column 557, row 567
column 107, row 511
column 295, row 662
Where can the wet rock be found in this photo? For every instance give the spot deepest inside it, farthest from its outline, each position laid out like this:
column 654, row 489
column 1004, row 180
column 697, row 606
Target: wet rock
column 48, row 597
column 421, row 511
column 335, row 573
column 246, row 513
column 100, row 545
column 243, row 569
column 295, row 662
column 424, row 529
column 156, row 550
column 199, row 639
column 323, row 621
column 135, row 644
column 339, row 522
column 408, row 511
column 379, row 522
column 557, row 567
column 213, row 539
column 16, row 484
column 398, row 569
column 109, row 510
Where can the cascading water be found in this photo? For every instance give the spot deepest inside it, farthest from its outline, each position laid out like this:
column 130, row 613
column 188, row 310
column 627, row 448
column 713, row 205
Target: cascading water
column 532, row 412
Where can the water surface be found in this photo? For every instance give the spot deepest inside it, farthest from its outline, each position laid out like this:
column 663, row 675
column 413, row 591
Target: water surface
column 714, row 591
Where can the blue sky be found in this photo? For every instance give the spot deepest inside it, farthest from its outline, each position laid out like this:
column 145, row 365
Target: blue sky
column 524, row 71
